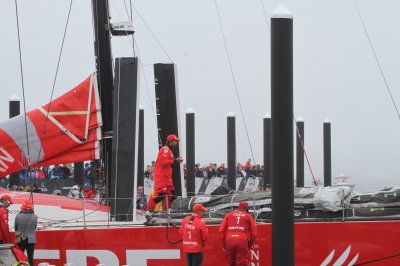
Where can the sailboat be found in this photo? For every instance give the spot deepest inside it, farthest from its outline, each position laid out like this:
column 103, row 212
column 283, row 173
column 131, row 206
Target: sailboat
column 323, row 241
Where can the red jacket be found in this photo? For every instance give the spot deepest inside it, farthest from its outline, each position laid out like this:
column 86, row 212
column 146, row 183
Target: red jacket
column 4, row 228
column 163, row 169
column 238, row 224
column 194, row 233
column 88, row 193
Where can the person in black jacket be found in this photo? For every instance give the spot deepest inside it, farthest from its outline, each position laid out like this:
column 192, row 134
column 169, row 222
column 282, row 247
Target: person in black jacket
column 25, row 227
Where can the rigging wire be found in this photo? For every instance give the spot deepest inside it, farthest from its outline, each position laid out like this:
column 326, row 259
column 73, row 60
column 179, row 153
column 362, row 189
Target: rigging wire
column 146, row 84
column 55, row 77
column 22, row 83
column 304, row 151
column 152, row 33
column 135, row 45
column 377, row 61
column 131, row 20
column 116, row 9
column 265, row 14
column 297, row 129
column 234, row 80
column 130, row 5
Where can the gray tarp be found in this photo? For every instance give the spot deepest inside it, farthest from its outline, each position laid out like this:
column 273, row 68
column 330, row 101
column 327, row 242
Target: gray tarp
column 384, row 204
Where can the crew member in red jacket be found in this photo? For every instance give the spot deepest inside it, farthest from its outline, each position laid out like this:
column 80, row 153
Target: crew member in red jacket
column 194, row 233
column 163, row 185
column 5, row 202
column 238, row 231
column 88, row 192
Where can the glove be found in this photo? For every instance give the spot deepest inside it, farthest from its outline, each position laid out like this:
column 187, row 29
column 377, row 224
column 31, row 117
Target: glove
column 159, row 197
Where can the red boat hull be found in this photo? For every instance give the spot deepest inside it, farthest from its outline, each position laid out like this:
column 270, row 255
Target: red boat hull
column 333, row 242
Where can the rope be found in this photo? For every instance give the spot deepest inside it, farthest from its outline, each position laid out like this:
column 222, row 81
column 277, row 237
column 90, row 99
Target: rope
column 384, row 258
column 55, row 78
column 377, row 61
column 234, row 81
column 167, row 236
column 22, row 82
column 73, row 219
column 305, row 152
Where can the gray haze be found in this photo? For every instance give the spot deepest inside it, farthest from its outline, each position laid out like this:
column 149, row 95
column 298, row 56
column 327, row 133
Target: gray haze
column 335, row 72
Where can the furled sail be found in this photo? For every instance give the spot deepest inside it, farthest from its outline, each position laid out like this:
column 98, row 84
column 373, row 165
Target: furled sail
column 68, row 129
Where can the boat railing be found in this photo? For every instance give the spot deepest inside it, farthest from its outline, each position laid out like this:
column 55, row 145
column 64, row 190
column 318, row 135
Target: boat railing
column 90, row 213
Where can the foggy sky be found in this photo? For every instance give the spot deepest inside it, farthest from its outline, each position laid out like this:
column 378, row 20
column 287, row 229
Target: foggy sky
column 335, row 73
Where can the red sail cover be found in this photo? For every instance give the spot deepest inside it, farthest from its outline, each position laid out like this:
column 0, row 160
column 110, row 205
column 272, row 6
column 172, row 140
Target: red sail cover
column 62, row 131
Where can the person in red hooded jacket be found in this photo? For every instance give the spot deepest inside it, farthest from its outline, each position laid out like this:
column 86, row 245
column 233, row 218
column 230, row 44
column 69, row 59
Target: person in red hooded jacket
column 194, row 233
column 238, row 232
column 5, row 202
column 88, row 192
column 163, row 185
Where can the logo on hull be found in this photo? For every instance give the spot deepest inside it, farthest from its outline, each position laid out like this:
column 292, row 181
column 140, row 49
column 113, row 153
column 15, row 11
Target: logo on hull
column 341, row 260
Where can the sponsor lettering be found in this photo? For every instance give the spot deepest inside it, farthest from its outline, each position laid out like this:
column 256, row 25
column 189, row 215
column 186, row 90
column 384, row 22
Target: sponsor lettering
column 107, row 257
column 236, row 228
column 254, row 256
column 190, row 226
column 190, row 243
column 5, row 157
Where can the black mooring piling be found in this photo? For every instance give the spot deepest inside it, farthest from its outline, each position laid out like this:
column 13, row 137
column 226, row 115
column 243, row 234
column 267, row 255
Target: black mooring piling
column 299, row 152
column 282, row 137
column 231, row 150
column 327, row 154
column 190, row 153
column 267, row 151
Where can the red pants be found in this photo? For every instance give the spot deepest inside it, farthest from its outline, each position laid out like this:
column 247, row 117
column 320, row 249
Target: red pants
column 166, row 198
column 237, row 251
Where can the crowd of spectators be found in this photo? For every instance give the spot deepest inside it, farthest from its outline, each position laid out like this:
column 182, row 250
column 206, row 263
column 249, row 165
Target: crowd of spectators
column 214, row 170
column 51, row 172
column 34, row 188
column 66, row 171
column 91, row 176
